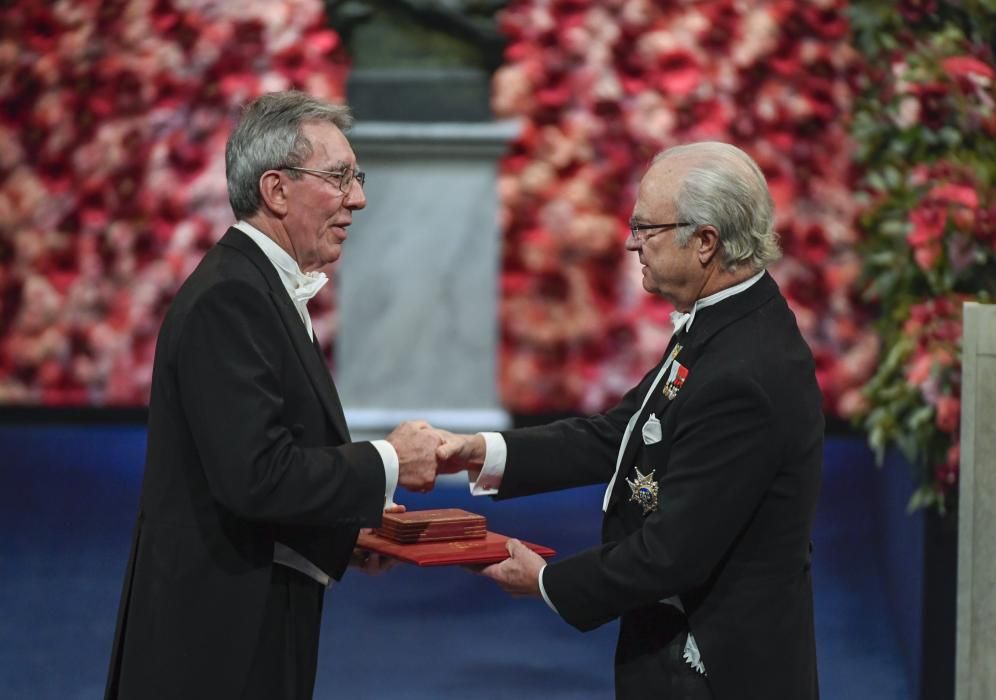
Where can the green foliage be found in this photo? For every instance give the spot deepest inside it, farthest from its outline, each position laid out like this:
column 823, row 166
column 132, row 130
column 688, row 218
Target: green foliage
column 925, row 137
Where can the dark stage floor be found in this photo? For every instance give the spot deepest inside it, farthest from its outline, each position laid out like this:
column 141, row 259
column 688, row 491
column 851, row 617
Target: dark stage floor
column 68, row 497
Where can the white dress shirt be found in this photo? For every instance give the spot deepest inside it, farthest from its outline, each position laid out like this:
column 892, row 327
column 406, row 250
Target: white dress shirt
column 488, row 480
column 292, row 278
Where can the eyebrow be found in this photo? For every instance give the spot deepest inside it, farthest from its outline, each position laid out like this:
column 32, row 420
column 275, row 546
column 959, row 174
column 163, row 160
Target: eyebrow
column 339, row 166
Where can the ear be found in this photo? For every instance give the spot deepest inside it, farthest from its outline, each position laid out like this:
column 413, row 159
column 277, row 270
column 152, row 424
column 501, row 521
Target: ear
column 271, row 188
column 706, row 241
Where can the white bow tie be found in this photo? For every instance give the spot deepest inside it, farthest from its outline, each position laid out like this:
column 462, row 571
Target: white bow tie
column 679, row 319
column 308, row 284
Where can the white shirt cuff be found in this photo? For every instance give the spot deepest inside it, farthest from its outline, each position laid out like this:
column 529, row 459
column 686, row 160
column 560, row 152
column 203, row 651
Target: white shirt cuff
column 487, row 481
column 546, row 598
column 391, row 467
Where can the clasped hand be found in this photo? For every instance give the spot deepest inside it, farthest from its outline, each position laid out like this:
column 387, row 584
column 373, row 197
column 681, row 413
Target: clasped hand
column 416, row 443
column 423, row 453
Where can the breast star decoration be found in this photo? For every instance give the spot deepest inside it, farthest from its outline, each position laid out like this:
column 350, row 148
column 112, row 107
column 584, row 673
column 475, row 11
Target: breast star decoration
column 644, row 490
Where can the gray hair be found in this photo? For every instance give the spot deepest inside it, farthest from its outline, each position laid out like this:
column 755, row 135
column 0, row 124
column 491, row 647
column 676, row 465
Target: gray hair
column 269, row 137
column 724, row 187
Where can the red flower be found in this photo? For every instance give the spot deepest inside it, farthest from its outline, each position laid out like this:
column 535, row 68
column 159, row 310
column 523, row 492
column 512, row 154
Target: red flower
column 807, row 243
column 917, row 10
column 39, row 28
column 705, row 119
column 829, row 22
column 785, row 60
column 554, row 96
column 985, row 224
column 723, row 26
column 186, row 155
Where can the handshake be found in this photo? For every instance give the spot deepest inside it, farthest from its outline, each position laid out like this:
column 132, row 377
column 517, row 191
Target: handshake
column 424, row 452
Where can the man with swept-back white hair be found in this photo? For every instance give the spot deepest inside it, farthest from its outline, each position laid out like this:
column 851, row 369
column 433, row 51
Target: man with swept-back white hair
column 712, row 461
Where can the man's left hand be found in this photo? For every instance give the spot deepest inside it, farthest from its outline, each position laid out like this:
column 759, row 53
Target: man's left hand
column 371, row 563
column 519, row 574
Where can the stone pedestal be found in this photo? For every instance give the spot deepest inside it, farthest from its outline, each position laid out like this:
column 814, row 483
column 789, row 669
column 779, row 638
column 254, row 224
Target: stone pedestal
column 975, row 671
column 417, row 335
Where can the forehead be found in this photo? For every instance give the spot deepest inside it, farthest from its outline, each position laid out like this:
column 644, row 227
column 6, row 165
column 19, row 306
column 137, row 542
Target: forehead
column 658, row 188
column 328, row 144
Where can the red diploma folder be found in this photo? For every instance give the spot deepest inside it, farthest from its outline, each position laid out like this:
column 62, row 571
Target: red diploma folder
column 487, row 550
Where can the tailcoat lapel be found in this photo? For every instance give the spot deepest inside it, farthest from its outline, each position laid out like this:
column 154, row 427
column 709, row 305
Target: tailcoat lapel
column 657, row 404
column 708, row 322
column 307, row 352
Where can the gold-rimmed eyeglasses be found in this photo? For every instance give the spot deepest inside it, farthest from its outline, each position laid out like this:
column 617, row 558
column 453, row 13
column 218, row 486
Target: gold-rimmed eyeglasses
column 344, row 176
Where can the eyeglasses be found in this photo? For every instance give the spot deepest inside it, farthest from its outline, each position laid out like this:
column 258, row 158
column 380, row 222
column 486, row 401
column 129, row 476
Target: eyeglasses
column 635, row 229
column 345, row 176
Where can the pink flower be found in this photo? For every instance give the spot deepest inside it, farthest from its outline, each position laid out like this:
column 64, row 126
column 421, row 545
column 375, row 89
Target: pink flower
column 967, row 67
column 946, row 474
column 927, row 222
column 926, row 256
column 678, row 72
column 919, row 370
column 512, row 91
column 957, row 195
column 961, row 252
column 948, row 413
column 851, row 403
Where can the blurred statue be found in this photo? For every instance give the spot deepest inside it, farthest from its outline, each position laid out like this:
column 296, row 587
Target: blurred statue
column 443, row 24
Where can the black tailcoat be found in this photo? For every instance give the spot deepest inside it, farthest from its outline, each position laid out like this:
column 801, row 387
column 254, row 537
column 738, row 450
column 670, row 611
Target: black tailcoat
column 738, row 467
column 247, row 445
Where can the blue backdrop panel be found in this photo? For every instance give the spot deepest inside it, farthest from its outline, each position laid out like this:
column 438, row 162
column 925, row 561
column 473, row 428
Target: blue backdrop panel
column 68, row 499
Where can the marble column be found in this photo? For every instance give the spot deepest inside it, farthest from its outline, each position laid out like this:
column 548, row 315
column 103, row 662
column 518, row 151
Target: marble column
column 976, row 636
column 417, row 335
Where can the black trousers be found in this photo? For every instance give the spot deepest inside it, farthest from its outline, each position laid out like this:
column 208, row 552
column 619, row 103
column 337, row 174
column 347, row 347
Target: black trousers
column 649, row 657
column 286, row 657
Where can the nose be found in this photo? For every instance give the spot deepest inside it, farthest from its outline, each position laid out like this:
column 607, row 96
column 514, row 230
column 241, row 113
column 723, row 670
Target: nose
column 356, row 198
column 632, row 243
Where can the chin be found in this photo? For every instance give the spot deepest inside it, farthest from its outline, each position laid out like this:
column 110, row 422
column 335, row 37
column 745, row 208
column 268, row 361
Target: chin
column 331, row 256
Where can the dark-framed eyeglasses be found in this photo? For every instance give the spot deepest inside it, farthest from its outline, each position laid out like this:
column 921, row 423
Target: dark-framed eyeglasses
column 637, row 230
column 345, row 176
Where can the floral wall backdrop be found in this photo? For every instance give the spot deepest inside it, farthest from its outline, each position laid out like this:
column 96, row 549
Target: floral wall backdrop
column 113, row 120
column 601, row 87
column 113, row 117
column 925, row 125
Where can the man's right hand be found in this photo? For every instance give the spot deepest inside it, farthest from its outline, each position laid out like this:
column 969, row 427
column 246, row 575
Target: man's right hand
column 416, row 443
column 460, row 452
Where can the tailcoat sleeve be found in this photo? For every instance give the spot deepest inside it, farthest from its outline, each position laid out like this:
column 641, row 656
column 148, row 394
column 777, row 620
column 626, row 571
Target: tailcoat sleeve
column 570, row 452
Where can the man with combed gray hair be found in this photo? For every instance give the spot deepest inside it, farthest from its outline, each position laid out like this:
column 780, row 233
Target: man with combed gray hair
column 254, row 492
column 712, row 461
